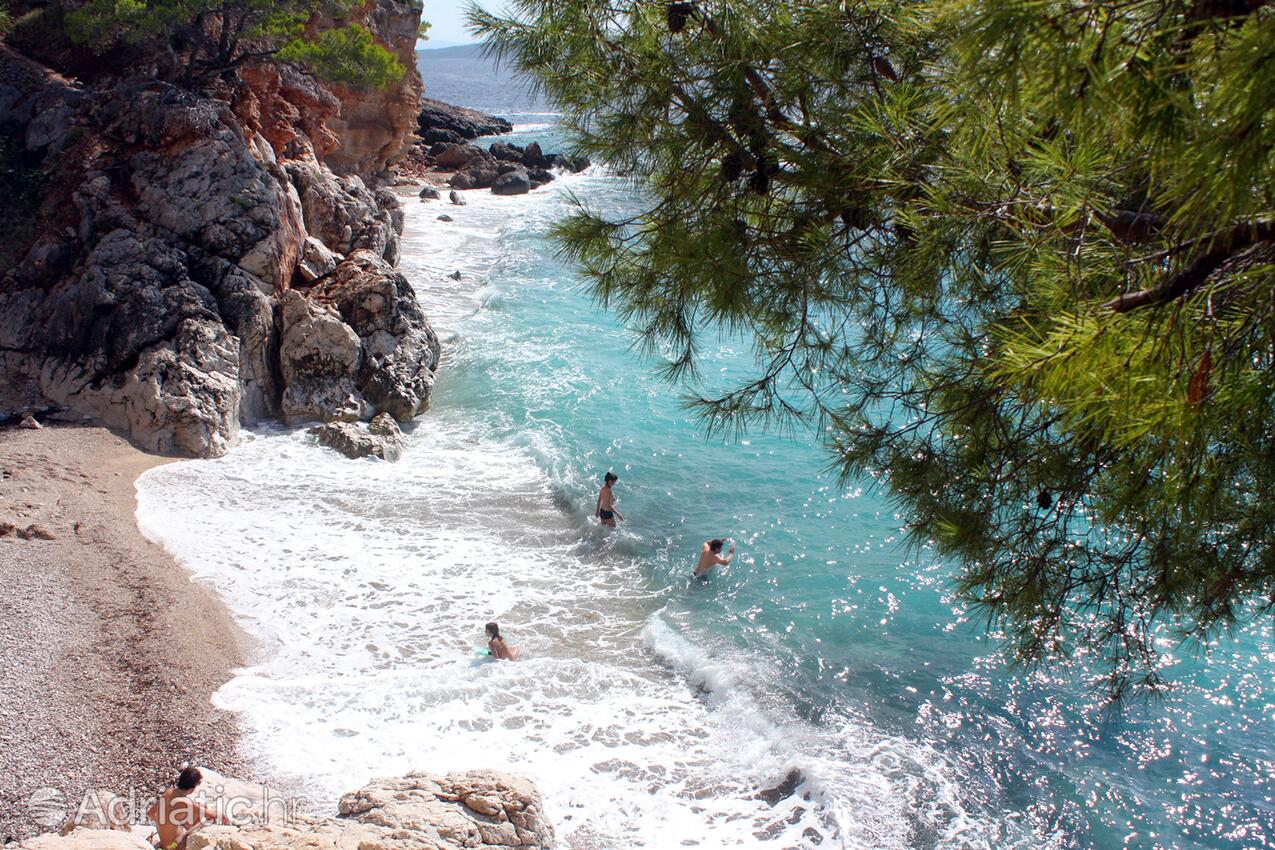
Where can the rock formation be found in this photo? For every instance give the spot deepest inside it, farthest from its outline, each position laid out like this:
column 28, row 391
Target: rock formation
column 475, row 810
column 376, row 127
column 442, row 122
column 193, row 262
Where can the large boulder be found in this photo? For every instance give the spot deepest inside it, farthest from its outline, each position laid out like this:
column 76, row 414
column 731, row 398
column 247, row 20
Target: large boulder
column 514, row 182
column 400, row 350
column 380, row 438
column 480, row 173
column 456, row 156
column 320, row 356
column 474, row 810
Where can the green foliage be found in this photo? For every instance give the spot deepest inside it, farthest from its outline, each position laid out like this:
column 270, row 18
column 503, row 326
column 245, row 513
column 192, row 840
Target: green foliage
column 349, row 55
column 1013, row 258
column 204, row 39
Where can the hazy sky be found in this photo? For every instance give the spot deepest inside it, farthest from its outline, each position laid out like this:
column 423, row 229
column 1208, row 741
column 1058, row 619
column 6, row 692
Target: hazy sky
column 447, row 21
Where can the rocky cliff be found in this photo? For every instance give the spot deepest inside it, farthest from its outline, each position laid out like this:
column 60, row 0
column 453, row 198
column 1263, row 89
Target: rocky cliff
column 376, row 127
column 475, row 810
column 180, row 263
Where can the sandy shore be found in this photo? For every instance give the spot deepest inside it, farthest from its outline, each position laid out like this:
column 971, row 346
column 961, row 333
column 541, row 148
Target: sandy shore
column 109, row 653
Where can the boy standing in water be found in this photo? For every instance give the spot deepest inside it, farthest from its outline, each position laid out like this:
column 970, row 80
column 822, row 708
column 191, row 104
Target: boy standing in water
column 605, row 510
column 710, row 556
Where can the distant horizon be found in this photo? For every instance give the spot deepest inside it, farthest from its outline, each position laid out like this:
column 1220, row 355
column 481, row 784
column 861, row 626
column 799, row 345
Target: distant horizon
column 422, row 46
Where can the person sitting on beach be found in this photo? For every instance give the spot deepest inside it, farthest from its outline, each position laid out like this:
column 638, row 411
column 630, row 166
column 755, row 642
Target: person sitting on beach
column 709, row 557
column 176, row 813
column 496, row 644
column 605, row 511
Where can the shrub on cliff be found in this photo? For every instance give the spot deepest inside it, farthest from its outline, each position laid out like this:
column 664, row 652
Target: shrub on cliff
column 201, row 40
column 1015, row 259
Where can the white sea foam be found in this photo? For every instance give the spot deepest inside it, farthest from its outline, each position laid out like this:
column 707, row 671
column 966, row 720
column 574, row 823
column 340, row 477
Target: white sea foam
column 368, row 583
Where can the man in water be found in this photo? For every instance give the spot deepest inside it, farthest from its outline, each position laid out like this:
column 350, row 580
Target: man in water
column 710, row 556
column 176, row 813
column 605, row 510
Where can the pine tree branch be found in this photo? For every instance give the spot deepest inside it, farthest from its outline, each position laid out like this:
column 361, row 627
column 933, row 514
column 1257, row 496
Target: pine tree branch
column 1197, row 272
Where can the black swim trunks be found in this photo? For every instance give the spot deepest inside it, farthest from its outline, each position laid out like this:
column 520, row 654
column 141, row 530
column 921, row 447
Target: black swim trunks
column 605, row 514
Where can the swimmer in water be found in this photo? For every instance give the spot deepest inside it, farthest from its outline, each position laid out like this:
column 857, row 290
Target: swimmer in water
column 710, row 556
column 605, row 510
column 496, row 644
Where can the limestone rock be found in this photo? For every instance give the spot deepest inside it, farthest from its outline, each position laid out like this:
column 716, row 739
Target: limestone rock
column 316, row 260
column 29, row 422
column 343, row 214
column 320, row 356
column 375, row 126
column 480, row 808
column 151, row 292
column 400, row 350
column 355, row 440
column 88, row 839
column 476, row 810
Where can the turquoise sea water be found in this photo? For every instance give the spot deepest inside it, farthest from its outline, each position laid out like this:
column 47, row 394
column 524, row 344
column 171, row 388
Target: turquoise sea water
column 654, row 710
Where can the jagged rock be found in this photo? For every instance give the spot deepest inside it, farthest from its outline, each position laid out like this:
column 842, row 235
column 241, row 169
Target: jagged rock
column 400, row 350
column 146, row 294
column 505, row 151
column 512, row 183
column 384, row 425
column 456, row 156
column 289, row 108
column 574, row 164
column 429, row 193
column 376, row 125
column 481, row 808
column 316, row 260
column 478, row 173
column 29, row 422
column 533, row 157
column 320, row 356
column 442, row 122
column 343, row 214
column 455, row 275
column 456, row 198
column 355, row 440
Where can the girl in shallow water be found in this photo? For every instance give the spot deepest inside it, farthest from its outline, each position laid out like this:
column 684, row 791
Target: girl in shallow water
column 496, row 644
